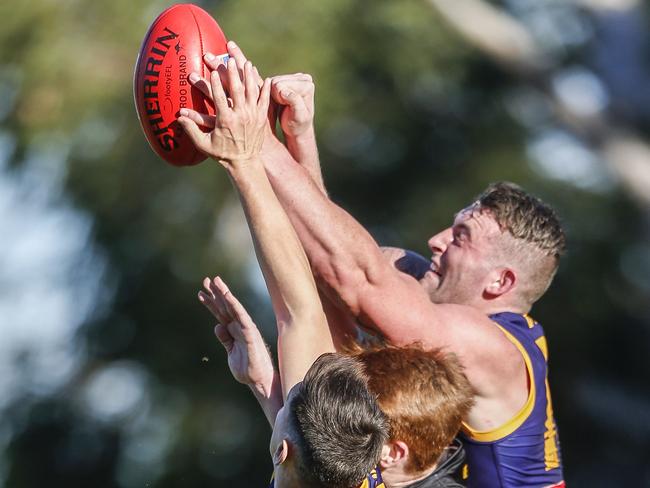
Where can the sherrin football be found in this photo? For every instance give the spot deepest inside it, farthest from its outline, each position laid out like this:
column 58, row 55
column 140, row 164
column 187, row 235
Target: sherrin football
column 172, row 49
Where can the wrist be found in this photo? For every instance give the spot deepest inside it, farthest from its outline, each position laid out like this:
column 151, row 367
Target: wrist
column 242, row 165
column 269, row 398
column 268, row 388
column 274, row 151
column 270, row 143
column 262, row 389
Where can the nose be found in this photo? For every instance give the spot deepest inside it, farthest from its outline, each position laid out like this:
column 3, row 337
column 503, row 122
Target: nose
column 438, row 243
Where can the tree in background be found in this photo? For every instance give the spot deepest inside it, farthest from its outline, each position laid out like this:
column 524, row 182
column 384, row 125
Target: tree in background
column 109, row 372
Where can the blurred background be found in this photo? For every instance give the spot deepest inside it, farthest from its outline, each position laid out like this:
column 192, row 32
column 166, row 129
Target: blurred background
column 109, row 373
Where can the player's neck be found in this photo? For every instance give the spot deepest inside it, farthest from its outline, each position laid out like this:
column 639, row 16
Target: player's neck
column 395, row 477
column 489, row 307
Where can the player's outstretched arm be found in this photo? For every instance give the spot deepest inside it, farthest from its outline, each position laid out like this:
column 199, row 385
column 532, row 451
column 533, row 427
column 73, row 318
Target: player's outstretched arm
column 235, row 142
column 248, row 356
column 347, row 261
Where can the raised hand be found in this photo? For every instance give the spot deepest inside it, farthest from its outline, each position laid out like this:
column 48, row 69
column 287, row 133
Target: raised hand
column 240, row 121
column 248, row 357
column 216, row 63
column 295, row 96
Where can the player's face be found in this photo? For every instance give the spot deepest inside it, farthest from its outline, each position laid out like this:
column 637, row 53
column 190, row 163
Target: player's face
column 462, row 258
column 438, row 245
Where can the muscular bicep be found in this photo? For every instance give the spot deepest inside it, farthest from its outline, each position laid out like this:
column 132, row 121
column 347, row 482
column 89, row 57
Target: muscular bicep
column 395, row 305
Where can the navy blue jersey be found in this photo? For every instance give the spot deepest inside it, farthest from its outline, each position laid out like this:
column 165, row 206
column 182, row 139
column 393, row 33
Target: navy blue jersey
column 525, row 452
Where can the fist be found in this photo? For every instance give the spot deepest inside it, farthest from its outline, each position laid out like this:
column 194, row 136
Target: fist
column 295, row 96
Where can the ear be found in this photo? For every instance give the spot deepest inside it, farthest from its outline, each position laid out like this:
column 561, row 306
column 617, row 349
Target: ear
column 281, row 453
column 501, row 281
column 393, row 453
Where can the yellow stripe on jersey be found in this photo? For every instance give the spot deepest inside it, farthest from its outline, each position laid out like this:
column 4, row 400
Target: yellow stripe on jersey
column 530, row 321
column 520, row 417
column 541, row 343
column 371, row 481
column 551, row 459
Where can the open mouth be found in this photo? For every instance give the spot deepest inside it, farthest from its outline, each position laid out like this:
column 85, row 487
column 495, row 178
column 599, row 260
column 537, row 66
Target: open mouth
column 434, row 271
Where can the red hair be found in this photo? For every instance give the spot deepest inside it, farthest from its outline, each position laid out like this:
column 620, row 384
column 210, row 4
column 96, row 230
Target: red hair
column 424, row 394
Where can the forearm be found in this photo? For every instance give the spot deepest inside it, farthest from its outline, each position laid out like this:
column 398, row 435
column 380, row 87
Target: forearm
column 304, row 150
column 270, row 400
column 342, row 253
column 302, row 330
column 281, row 257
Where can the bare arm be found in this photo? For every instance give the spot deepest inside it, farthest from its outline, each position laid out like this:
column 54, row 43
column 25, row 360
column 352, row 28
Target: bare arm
column 304, row 150
column 344, row 256
column 235, row 142
column 303, row 334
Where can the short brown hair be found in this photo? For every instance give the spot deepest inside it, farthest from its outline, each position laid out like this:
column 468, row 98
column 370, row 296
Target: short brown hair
column 528, row 219
column 339, row 429
column 425, row 395
column 525, row 217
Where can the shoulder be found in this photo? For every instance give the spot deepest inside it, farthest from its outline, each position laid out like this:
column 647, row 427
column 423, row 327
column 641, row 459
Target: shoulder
column 472, row 330
column 489, row 356
column 398, row 306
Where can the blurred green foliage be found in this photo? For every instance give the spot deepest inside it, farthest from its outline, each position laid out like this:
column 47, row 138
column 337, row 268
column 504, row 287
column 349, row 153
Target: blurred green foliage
column 412, row 123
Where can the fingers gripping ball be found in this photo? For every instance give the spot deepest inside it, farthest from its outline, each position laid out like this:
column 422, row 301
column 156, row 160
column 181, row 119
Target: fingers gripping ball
column 172, row 49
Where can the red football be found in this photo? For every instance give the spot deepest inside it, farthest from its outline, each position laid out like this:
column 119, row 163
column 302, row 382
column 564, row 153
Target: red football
column 172, row 49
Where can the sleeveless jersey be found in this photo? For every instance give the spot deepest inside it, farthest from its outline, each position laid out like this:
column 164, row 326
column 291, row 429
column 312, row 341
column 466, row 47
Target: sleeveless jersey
column 525, row 452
